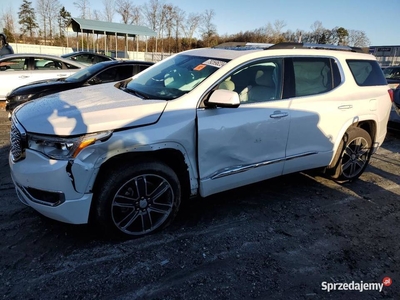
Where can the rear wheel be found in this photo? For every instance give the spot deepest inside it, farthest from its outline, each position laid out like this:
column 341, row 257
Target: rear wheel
column 352, row 156
column 137, row 200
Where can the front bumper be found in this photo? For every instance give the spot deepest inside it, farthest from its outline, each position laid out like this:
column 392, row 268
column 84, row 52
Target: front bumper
column 45, row 186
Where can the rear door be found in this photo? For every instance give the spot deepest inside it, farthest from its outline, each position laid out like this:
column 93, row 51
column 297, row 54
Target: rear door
column 318, row 112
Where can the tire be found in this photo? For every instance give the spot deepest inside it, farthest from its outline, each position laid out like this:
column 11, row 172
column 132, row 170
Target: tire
column 352, row 156
column 137, row 200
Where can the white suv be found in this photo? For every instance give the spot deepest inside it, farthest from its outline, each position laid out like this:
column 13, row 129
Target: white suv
column 198, row 123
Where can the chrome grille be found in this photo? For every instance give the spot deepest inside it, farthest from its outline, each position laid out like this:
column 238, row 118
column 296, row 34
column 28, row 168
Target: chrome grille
column 17, row 139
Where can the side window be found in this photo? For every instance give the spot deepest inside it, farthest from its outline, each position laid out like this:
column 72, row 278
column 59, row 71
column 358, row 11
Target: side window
column 69, row 66
column 16, row 64
column 47, row 64
column 108, row 75
column 124, row 72
column 366, row 72
column 312, row 75
column 256, row 82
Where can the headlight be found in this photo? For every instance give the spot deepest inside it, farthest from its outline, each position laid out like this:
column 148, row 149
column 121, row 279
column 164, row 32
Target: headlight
column 64, row 148
column 22, row 98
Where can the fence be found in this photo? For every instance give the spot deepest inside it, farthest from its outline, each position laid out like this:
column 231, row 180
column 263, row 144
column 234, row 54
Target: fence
column 54, row 50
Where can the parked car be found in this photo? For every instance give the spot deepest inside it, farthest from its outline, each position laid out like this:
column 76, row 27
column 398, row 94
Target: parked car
column 104, row 72
column 392, row 75
column 86, row 57
column 21, row 69
column 394, row 119
column 201, row 122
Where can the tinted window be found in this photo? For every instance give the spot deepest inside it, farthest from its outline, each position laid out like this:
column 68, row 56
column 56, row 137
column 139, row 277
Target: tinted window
column 366, row 72
column 312, row 75
column 392, row 72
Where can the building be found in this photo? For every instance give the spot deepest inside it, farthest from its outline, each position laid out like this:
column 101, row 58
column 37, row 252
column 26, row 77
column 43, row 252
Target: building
column 386, row 55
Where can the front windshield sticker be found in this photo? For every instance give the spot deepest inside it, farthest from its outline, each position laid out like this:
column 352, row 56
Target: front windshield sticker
column 199, row 67
column 215, row 63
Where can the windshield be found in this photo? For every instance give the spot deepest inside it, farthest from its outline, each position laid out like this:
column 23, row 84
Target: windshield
column 174, row 77
column 391, row 72
column 85, row 73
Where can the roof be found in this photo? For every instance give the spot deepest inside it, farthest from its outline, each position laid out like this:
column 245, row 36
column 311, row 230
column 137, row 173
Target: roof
column 109, row 28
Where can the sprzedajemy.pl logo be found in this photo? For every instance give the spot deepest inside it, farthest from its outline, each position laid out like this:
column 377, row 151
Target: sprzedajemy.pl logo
column 356, row 286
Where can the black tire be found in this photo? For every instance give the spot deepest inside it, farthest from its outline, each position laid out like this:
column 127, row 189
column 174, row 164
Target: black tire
column 352, row 156
column 136, row 200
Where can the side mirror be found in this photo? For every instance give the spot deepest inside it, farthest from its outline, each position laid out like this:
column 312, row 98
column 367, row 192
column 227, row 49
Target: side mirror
column 95, row 80
column 223, row 98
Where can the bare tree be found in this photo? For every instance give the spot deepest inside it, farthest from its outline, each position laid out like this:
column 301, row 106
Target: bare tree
column 153, row 14
column 8, row 26
column 124, row 8
column 84, row 7
column 53, row 10
column 178, row 22
column 358, row 38
column 136, row 15
column 41, row 8
column 96, row 15
column 191, row 25
column 109, row 10
column 209, row 30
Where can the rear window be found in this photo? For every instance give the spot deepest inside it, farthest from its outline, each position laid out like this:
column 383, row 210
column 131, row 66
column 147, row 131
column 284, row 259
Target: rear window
column 366, row 72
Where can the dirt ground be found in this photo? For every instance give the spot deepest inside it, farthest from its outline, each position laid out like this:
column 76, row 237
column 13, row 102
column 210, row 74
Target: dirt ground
column 278, row 239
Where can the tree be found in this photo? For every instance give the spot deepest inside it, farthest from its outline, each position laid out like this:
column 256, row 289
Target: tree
column 342, row 35
column 209, row 30
column 191, row 25
column 27, row 18
column 7, row 22
column 153, row 13
column 84, row 7
column 124, row 8
column 109, row 10
column 53, row 10
column 358, row 38
column 63, row 18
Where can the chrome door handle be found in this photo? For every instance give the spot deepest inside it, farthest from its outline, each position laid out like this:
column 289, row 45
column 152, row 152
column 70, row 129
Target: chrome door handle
column 23, row 76
column 345, row 107
column 61, row 75
column 278, row 115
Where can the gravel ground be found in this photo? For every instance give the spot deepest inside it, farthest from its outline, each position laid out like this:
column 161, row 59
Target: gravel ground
column 285, row 238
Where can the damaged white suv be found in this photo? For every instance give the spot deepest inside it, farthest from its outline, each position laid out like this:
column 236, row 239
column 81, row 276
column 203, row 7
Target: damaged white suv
column 198, row 123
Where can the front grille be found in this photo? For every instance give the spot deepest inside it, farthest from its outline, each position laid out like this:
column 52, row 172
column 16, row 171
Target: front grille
column 17, row 141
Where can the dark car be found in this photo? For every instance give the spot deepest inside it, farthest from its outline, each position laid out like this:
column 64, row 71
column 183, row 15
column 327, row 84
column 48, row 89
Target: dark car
column 392, row 75
column 110, row 71
column 87, row 57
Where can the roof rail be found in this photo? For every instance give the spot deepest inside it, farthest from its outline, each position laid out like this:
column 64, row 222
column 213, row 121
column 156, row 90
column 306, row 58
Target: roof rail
column 290, row 45
column 243, row 46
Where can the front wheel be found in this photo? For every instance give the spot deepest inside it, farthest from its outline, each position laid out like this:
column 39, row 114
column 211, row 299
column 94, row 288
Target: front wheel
column 352, row 156
column 137, row 200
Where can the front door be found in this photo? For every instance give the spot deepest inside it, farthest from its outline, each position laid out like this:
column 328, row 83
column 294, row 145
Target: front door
column 239, row 146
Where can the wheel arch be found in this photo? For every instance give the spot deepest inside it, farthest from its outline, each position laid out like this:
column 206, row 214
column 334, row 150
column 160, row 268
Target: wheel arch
column 368, row 125
column 173, row 158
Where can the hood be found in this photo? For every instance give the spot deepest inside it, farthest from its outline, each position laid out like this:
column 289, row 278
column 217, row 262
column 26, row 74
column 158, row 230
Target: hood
column 87, row 109
column 38, row 87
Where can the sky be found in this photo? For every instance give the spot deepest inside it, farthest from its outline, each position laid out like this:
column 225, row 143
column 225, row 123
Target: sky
column 378, row 19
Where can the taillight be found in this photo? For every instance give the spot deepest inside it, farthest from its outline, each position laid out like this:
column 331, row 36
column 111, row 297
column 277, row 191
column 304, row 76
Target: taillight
column 390, row 91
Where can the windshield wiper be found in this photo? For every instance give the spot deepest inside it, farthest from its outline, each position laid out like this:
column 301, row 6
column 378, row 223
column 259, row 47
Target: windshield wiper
column 136, row 93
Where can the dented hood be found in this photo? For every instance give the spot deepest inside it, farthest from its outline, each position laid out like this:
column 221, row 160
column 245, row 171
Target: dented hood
column 88, row 109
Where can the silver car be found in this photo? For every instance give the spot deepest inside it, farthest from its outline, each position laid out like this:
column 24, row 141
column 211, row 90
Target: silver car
column 21, row 69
